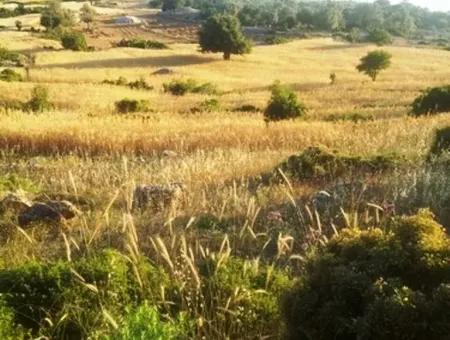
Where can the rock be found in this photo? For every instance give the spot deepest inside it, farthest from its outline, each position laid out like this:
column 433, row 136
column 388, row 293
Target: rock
column 169, row 154
column 15, row 203
column 157, row 197
column 163, row 71
column 51, row 211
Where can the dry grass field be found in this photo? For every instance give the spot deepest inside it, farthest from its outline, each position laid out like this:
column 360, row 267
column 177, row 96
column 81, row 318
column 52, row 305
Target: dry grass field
column 82, row 147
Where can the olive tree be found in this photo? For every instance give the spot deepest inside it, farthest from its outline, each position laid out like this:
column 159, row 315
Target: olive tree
column 374, row 62
column 222, row 33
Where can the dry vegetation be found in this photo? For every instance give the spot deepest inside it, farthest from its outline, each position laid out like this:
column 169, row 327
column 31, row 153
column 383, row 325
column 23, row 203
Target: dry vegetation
column 85, row 149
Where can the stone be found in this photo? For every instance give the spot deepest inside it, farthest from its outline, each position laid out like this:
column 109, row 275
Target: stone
column 50, row 212
column 157, row 197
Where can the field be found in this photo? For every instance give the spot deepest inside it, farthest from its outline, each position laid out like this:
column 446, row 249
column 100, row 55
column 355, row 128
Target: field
column 85, row 150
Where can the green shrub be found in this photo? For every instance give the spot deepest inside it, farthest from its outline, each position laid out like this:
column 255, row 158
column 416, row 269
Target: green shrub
column 251, row 291
column 182, row 87
column 10, row 75
column 39, row 101
column 132, row 105
column 380, row 37
column 75, row 296
column 277, row 40
column 146, row 323
column 375, row 284
column 441, row 142
column 13, row 182
column 432, row 101
column 283, row 104
column 74, row 41
column 139, row 84
column 8, row 330
column 317, row 163
column 8, row 58
column 208, row 105
column 142, row 43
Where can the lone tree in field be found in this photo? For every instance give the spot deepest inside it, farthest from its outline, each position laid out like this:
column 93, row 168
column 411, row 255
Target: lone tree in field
column 374, row 62
column 283, row 104
column 222, row 33
column 87, row 15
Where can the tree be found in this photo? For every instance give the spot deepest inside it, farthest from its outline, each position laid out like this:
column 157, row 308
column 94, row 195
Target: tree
column 87, row 15
column 222, row 33
column 19, row 25
column 380, row 37
column 74, row 41
column 169, row 5
column 54, row 16
column 374, row 62
column 283, row 104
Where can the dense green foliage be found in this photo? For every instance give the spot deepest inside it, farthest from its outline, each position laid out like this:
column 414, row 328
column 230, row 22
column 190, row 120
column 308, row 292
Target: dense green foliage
column 53, row 16
column 131, row 105
column 222, row 33
column 182, row 87
column 142, row 43
column 432, row 101
column 318, row 163
column 374, row 62
column 375, row 284
column 441, row 142
column 283, row 104
column 73, row 40
column 380, row 37
column 10, row 75
column 39, row 101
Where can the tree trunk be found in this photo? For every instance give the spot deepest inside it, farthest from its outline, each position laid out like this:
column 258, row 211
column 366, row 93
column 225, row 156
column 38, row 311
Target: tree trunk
column 226, row 56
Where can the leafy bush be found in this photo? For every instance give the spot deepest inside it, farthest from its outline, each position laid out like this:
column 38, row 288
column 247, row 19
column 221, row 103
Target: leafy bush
column 132, row 105
column 8, row 58
column 441, row 142
column 432, row 101
column 10, row 75
column 283, row 104
column 139, row 84
column 74, row 41
column 380, row 37
column 142, row 43
column 8, row 330
column 251, row 290
column 374, row 62
column 39, row 101
column 182, row 87
column 145, row 323
column 316, row 163
column 75, row 296
column 375, row 284
column 208, row 105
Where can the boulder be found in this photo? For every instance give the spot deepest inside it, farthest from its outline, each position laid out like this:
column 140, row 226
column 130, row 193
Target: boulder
column 50, row 212
column 157, row 197
column 14, row 203
column 163, row 72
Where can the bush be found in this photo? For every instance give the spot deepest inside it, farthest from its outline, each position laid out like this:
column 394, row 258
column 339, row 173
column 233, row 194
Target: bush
column 375, row 284
column 355, row 117
column 8, row 58
column 10, row 75
column 317, row 163
column 8, row 330
column 251, row 292
column 432, row 101
column 139, row 84
column 441, row 142
column 39, row 101
column 146, row 323
column 132, row 105
column 208, row 105
column 74, row 41
column 374, row 62
column 142, row 43
column 380, row 37
column 182, row 87
column 75, row 295
column 283, row 104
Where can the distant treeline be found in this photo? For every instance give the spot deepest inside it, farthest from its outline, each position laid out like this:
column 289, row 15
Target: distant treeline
column 403, row 19
column 19, row 10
